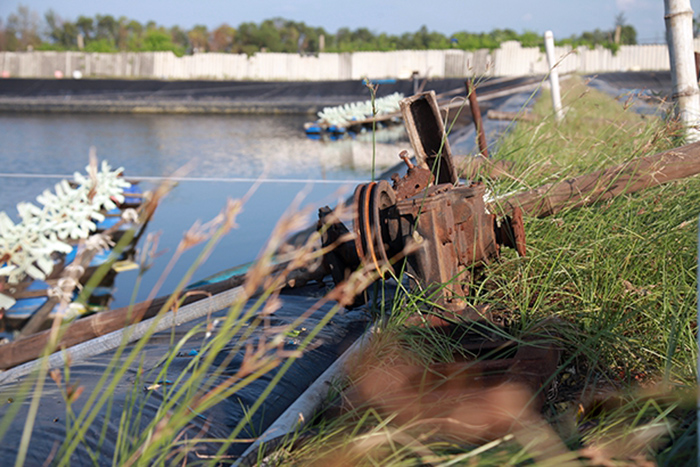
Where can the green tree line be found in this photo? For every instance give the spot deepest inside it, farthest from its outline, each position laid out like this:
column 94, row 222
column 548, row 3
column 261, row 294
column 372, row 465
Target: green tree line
column 26, row 30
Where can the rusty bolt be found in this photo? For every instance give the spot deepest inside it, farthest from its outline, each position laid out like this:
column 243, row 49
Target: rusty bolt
column 404, row 156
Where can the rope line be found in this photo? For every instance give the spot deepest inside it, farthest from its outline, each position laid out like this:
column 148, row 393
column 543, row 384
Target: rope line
column 198, row 179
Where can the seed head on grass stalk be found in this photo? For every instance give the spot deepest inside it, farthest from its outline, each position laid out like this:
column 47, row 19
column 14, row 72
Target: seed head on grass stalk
column 99, row 397
column 182, row 403
column 373, row 98
column 70, row 280
column 605, row 270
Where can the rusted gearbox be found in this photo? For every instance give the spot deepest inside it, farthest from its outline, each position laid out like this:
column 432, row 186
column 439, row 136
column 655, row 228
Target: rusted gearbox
column 443, row 228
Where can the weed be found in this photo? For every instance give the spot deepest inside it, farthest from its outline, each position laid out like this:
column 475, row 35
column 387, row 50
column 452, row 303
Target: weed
column 618, row 276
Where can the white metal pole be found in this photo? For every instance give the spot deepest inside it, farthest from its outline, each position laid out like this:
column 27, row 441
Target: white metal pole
column 553, row 76
column 686, row 95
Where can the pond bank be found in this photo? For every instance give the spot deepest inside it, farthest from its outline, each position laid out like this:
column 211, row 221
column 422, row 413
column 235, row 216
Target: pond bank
column 205, row 97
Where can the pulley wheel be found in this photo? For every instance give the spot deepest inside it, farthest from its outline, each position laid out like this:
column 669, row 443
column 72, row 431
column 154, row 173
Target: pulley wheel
column 383, row 197
column 372, row 231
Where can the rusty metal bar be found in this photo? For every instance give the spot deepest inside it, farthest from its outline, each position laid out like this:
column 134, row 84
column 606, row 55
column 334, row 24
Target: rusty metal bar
column 635, row 175
column 476, row 116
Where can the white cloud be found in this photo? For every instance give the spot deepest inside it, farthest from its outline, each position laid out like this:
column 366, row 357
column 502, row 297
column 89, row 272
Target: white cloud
column 527, row 17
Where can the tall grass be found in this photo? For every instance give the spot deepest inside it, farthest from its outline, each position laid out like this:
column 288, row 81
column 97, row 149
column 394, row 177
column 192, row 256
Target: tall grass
column 614, row 283
column 618, row 277
column 93, row 411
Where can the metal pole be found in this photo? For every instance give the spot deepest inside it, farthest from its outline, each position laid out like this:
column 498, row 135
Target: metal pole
column 553, row 76
column 476, row 116
column 686, row 95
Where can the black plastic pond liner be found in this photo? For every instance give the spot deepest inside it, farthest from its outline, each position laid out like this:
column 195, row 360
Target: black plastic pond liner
column 309, row 92
column 198, row 96
column 464, row 141
column 138, row 395
column 644, row 90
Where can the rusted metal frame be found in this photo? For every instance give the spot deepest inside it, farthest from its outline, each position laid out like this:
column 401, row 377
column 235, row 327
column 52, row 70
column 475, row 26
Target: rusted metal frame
column 450, row 222
column 383, row 198
column 426, row 132
column 367, row 227
column 416, row 179
column 451, row 230
column 458, row 231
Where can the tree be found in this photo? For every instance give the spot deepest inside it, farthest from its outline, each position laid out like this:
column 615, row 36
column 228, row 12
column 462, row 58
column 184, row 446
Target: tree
column 222, row 38
column 199, row 38
column 23, row 29
column 122, row 39
column 107, row 28
column 342, row 37
column 104, row 33
column 179, row 38
column 53, row 23
column 102, row 45
column 628, row 35
column 86, row 27
column 134, row 31
column 620, row 19
column 158, row 39
column 268, row 36
column 531, row 39
column 3, row 36
column 63, row 34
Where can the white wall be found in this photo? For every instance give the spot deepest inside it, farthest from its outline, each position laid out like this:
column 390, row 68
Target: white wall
column 509, row 60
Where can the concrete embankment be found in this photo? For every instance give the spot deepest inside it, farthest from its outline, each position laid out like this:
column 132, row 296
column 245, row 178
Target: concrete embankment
column 159, row 96
column 240, row 97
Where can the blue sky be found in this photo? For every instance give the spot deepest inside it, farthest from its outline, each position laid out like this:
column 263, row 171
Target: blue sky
column 564, row 17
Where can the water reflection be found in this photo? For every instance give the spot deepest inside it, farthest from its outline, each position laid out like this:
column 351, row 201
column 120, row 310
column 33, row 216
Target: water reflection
column 212, row 146
column 156, row 145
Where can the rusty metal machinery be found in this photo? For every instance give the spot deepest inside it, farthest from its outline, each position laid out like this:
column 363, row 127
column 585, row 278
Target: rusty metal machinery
column 443, row 229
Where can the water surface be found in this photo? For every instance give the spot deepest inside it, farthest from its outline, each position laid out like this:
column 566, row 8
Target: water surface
column 221, row 157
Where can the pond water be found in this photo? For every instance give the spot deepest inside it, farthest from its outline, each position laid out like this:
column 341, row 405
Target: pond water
column 217, row 157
